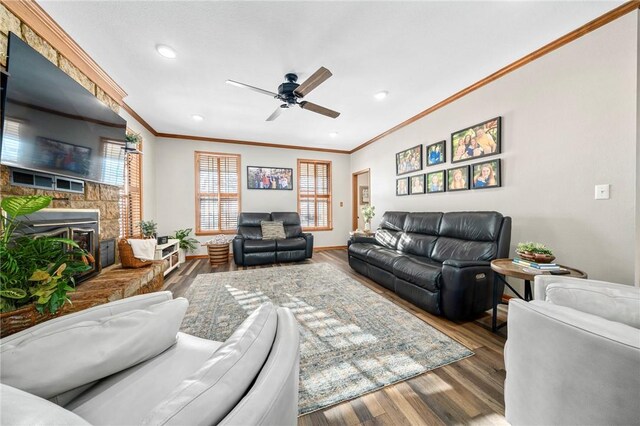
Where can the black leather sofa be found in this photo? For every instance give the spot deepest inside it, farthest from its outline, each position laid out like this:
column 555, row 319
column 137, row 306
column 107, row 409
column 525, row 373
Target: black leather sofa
column 250, row 249
column 440, row 262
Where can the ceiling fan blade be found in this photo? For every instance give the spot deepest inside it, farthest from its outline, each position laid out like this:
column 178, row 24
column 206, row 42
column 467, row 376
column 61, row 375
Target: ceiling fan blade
column 319, row 109
column 255, row 89
column 275, row 114
column 312, row 82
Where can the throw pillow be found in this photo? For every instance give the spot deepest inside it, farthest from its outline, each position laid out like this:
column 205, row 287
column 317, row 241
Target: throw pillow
column 48, row 364
column 272, row 230
column 219, row 385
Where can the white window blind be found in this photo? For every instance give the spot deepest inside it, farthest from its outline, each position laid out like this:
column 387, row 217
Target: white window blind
column 113, row 162
column 314, row 194
column 217, row 192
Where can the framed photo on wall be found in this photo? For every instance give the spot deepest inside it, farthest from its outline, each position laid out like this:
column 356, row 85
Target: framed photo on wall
column 435, row 182
column 409, row 160
column 364, row 195
column 417, row 184
column 458, row 179
column 436, row 153
column 480, row 140
column 486, row 174
column 402, row 186
column 269, row 178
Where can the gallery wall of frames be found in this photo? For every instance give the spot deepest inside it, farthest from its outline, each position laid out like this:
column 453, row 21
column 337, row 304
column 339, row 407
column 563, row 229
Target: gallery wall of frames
column 469, row 145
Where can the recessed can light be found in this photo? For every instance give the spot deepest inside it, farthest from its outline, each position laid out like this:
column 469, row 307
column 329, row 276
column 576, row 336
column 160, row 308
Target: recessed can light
column 166, row 51
column 333, row 134
column 381, row 95
column 197, row 117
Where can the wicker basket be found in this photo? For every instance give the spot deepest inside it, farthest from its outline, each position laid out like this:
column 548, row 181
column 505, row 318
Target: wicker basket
column 126, row 256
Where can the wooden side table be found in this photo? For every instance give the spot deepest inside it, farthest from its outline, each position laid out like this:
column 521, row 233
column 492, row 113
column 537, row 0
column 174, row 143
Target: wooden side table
column 504, row 268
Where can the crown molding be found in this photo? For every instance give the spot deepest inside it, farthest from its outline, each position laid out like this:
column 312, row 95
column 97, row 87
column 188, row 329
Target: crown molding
column 602, row 20
column 38, row 20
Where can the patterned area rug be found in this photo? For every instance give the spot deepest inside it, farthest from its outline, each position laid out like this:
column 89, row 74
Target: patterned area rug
column 353, row 341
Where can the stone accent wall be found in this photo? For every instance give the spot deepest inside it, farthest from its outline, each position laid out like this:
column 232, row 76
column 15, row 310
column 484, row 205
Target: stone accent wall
column 104, row 197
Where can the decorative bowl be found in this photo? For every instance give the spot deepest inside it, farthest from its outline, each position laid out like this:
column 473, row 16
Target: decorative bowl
column 536, row 257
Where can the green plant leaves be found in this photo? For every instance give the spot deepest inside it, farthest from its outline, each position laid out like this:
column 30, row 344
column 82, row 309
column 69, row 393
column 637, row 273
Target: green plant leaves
column 13, row 293
column 20, row 206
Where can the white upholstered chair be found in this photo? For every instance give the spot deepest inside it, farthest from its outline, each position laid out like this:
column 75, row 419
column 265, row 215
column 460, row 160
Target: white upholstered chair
column 573, row 354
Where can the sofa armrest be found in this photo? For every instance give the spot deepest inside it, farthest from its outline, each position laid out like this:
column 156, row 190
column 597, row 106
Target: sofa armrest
column 541, row 282
column 467, row 288
column 309, row 249
column 238, row 250
column 466, row 263
column 362, row 239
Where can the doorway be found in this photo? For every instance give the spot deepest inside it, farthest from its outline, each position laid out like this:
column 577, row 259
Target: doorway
column 361, row 190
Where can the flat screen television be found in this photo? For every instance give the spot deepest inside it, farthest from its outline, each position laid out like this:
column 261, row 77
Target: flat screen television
column 52, row 124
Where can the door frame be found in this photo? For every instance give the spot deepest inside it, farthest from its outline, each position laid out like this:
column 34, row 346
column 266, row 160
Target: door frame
column 354, row 198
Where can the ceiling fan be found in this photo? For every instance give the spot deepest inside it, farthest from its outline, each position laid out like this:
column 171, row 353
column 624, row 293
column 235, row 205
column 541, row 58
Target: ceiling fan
column 291, row 93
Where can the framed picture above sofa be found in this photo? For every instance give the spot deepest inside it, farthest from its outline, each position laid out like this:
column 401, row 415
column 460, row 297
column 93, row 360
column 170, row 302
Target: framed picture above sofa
column 417, row 184
column 458, row 178
column 409, row 160
column 479, row 140
column 486, row 174
column 436, row 181
column 402, row 186
column 269, row 178
column 436, row 153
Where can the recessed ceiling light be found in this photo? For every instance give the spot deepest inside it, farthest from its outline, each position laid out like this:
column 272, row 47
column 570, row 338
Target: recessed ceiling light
column 381, row 95
column 333, row 134
column 197, row 117
column 166, row 51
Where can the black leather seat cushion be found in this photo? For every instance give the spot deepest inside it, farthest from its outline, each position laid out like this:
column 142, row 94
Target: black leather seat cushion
column 291, row 244
column 249, row 225
column 414, row 243
column 291, row 222
column 383, row 258
column 393, row 220
column 455, row 249
column 419, row 271
column 422, row 223
column 473, row 226
column 259, row 246
column 360, row 250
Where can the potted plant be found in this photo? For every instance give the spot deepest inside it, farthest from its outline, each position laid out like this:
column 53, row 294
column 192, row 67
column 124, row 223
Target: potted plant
column 369, row 213
column 35, row 270
column 535, row 252
column 187, row 244
column 149, row 228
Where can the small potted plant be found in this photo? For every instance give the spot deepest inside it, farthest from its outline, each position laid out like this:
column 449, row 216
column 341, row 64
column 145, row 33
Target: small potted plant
column 535, row 252
column 369, row 213
column 187, row 244
column 149, row 228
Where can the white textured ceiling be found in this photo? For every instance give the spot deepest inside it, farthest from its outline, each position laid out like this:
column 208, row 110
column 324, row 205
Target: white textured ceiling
column 421, row 52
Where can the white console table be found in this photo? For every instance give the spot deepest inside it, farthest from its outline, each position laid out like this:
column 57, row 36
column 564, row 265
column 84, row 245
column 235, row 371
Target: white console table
column 169, row 252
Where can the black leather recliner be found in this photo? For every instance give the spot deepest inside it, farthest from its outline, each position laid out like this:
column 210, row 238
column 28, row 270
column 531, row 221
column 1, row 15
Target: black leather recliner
column 440, row 262
column 250, row 249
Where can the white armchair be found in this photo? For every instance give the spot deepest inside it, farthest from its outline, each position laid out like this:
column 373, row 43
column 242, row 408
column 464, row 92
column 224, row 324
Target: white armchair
column 573, row 354
column 126, row 363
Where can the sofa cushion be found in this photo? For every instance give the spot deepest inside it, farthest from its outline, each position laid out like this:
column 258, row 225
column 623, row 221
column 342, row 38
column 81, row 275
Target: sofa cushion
column 216, row 388
column 414, row 243
column 422, row 272
column 383, row 258
column 360, row 250
column 291, row 222
column 474, row 226
column 89, row 350
column 137, row 390
column 272, row 230
column 388, row 238
column 614, row 304
column 19, row 408
column 291, row 244
column 259, row 246
column 456, row 249
column 423, row 223
column 249, row 225
column 393, row 221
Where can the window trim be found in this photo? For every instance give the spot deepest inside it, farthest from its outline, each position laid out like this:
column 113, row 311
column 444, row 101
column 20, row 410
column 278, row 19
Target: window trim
column 124, row 189
column 328, row 197
column 197, row 193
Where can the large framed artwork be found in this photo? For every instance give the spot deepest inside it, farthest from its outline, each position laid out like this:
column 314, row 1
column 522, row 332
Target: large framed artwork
column 436, row 153
column 435, row 182
column 402, row 186
column 417, row 184
column 480, row 140
column 409, row 160
column 269, row 178
column 486, row 174
column 458, row 178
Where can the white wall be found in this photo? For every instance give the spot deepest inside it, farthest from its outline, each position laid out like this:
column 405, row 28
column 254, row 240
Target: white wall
column 175, row 185
column 150, row 188
column 569, row 123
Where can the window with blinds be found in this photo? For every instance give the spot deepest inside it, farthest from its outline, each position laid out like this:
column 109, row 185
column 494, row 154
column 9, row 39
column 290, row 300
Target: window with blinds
column 217, row 192
column 131, row 196
column 314, row 194
column 113, row 162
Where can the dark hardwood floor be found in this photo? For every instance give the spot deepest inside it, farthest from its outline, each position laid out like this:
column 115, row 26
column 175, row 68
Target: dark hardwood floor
column 470, row 391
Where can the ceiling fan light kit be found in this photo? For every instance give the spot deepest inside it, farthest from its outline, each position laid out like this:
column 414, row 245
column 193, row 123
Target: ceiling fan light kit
column 290, row 93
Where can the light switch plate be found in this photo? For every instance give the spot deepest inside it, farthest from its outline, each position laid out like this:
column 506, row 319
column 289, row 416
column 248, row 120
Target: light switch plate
column 602, row 192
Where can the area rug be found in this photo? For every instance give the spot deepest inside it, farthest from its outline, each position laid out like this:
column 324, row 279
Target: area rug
column 353, row 341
